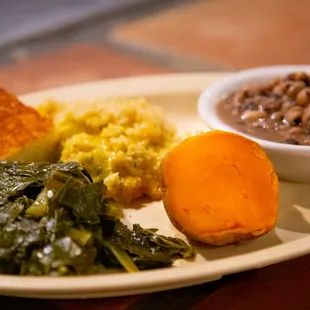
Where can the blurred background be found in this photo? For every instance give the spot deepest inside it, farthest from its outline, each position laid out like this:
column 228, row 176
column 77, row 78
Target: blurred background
column 46, row 43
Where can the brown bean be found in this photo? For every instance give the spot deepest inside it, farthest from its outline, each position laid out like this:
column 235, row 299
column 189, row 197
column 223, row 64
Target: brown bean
column 253, row 115
column 303, row 96
column 270, row 104
column 273, row 83
column 305, row 120
column 293, row 114
column 287, row 105
column 295, row 131
column 301, row 76
column 298, row 76
column 289, row 88
column 283, row 87
column 294, row 88
column 279, row 88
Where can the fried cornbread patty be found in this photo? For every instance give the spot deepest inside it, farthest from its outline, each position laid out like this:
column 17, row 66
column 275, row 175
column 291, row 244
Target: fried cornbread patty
column 25, row 134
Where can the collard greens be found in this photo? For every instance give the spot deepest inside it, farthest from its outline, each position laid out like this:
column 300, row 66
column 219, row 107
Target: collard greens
column 54, row 220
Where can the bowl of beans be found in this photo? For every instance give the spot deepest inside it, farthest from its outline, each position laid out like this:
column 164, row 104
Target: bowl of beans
column 269, row 105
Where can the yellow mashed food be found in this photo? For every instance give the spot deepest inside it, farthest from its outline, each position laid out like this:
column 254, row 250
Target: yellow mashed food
column 119, row 141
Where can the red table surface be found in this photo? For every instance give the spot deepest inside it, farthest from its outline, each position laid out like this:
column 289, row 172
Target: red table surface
column 285, row 286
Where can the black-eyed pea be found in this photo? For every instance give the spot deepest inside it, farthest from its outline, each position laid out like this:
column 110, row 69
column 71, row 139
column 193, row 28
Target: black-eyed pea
column 285, row 85
column 294, row 88
column 301, row 76
column 253, row 115
column 293, row 114
column 303, row 96
column 273, row 83
column 279, row 88
column 298, row 76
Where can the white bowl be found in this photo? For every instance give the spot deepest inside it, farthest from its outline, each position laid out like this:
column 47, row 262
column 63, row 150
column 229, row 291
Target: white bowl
column 291, row 162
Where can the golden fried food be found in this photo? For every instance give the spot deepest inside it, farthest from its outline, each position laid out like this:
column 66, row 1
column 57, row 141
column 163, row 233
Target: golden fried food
column 23, row 131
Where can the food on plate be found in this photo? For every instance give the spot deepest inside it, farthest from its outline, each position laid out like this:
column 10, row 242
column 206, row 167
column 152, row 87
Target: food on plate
column 69, row 168
column 54, row 220
column 24, row 132
column 220, row 188
column 277, row 111
column 120, row 141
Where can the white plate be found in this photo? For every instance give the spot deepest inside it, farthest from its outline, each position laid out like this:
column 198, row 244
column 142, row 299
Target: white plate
column 178, row 95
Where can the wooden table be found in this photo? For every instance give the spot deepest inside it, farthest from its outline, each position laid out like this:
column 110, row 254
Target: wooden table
column 284, row 286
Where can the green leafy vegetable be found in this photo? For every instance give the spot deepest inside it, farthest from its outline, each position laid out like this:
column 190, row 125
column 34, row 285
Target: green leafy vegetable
column 55, row 221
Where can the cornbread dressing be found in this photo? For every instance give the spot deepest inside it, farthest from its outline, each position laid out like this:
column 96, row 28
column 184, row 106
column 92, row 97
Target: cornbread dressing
column 119, row 141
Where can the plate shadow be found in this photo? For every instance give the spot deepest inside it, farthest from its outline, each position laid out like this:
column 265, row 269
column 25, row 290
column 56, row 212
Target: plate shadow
column 213, row 253
column 294, row 207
